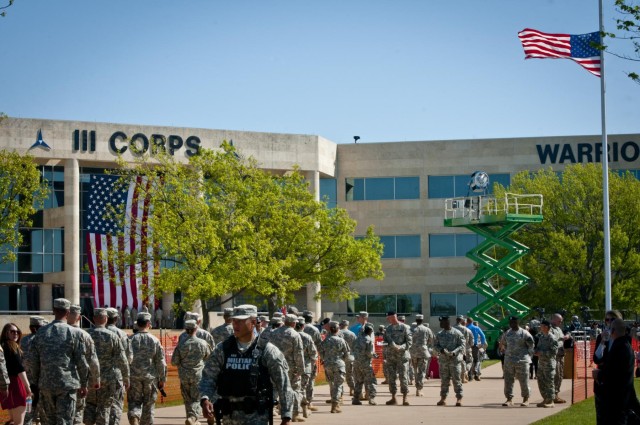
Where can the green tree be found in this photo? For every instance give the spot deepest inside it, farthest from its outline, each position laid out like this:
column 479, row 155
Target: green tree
column 234, row 228
column 566, row 261
column 20, row 192
column 6, row 6
column 628, row 27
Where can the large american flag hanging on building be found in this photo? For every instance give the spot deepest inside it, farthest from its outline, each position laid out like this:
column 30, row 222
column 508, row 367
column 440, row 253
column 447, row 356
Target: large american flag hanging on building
column 109, row 245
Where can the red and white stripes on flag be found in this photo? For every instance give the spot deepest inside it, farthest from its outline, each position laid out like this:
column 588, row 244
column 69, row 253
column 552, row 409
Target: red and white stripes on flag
column 115, row 282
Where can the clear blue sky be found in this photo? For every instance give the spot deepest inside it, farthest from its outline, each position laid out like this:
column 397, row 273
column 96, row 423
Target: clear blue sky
column 383, row 70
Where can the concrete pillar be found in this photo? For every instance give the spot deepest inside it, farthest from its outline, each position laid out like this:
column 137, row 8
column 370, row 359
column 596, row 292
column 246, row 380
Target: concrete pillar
column 46, row 300
column 167, row 303
column 72, row 231
column 313, row 177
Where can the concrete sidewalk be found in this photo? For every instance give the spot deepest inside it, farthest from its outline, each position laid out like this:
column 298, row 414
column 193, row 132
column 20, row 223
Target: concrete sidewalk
column 482, row 404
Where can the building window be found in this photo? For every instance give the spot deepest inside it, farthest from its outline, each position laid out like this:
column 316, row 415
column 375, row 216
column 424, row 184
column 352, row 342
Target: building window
column 55, row 182
column 42, row 251
column 452, row 244
column 382, row 188
column 381, row 303
column 457, row 186
column 401, row 246
column 329, row 192
column 451, row 304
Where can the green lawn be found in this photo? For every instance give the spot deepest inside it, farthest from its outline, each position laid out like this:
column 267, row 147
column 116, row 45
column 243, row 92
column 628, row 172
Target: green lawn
column 583, row 413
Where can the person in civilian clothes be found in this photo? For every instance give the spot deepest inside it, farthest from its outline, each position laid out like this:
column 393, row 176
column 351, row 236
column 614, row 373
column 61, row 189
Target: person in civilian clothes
column 19, row 389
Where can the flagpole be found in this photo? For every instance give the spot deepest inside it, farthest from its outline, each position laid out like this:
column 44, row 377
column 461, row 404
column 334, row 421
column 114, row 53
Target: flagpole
column 605, row 178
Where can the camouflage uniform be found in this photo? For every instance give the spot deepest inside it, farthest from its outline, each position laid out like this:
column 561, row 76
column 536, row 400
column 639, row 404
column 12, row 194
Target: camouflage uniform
column 398, row 341
column 114, row 371
column 310, row 358
column 421, row 352
column 289, row 342
column 4, row 375
column 203, row 335
column 147, row 370
column 314, row 333
column 449, row 345
column 363, row 352
column 349, row 338
column 559, row 335
column 25, row 345
column 94, row 370
column 189, row 357
column 58, row 364
column 468, row 350
column 222, row 332
column 547, row 349
column 334, row 353
column 518, row 346
column 118, row 404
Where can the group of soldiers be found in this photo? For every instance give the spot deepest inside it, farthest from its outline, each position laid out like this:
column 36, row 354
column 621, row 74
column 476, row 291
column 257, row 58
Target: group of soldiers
column 80, row 376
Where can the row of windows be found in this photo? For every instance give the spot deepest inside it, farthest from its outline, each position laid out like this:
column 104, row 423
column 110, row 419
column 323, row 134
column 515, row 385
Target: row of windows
column 382, row 303
column 382, row 188
column 55, row 182
column 451, row 304
column 452, row 245
column 42, row 251
column 457, row 186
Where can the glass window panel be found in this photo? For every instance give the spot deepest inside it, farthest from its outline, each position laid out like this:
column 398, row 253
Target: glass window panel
column 503, row 179
column 37, row 241
column 4, row 298
column 48, row 241
column 58, row 263
column 408, row 246
column 409, row 303
column 37, row 265
column 461, row 185
column 467, row 302
column 360, row 303
column 58, row 174
column 440, row 187
column 58, row 241
column 329, row 192
column 407, row 188
column 389, row 243
column 442, row 246
column 381, row 303
column 6, row 278
column 443, row 304
column 465, row 243
column 378, row 188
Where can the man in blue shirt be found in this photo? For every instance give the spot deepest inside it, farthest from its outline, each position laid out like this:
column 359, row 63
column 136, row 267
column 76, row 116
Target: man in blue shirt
column 479, row 345
column 362, row 319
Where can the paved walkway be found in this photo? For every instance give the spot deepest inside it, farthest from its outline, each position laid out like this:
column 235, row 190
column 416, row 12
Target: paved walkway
column 482, row 405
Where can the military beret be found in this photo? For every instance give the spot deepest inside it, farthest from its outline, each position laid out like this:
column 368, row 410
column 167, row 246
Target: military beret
column 112, row 313
column 290, row 318
column 100, row 312
column 325, row 321
column 190, row 324
column 75, row 309
column 245, row 311
column 227, row 312
column 363, row 314
column 391, row 313
column 192, row 315
column 36, row 321
column 61, row 303
column 344, row 322
column 513, row 318
column 441, row 318
column 419, row 317
column 143, row 315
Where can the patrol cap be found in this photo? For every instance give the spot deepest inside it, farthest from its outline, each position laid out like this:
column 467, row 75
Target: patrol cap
column 112, row 313
column 301, row 320
column 513, row 318
column 100, row 312
column 278, row 314
column 61, row 303
column 333, row 324
column 380, row 326
column 363, row 314
column 419, row 317
column 227, row 312
column 75, row 309
column 391, row 313
column 293, row 310
column 344, row 322
column 192, row 315
column 546, row 323
column 441, row 318
column 36, row 321
column 402, row 318
column 459, row 316
column 190, row 324
column 262, row 318
column 244, row 311
column 143, row 315
column 275, row 320
column 368, row 326
column 307, row 313
column 290, row 318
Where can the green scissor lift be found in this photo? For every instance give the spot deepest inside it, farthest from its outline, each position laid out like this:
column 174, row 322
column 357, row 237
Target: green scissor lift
column 495, row 220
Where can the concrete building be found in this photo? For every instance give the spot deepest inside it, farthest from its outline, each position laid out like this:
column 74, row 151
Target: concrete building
column 398, row 187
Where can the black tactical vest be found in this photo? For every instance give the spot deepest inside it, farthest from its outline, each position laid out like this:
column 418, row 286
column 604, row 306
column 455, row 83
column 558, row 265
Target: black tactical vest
column 243, row 374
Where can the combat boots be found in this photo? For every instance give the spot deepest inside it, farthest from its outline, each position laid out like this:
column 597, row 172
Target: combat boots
column 546, row 403
column 305, row 410
column 297, row 418
column 442, row 402
column 508, row 403
column 211, row 421
column 372, row 401
column 418, row 392
column 459, row 402
column 525, row 402
column 393, row 401
column 335, row 407
column 312, row 408
column 134, row 421
column 356, row 401
column 405, row 402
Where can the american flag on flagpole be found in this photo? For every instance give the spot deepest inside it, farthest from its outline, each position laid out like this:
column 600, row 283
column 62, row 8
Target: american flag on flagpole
column 578, row 48
column 115, row 283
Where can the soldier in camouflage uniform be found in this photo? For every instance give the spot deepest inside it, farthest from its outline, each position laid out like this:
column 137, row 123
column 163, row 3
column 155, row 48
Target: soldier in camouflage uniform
column 200, row 333
column 4, row 376
column 35, row 323
column 334, row 353
column 114, row 370
column 420, row 351
column 58, row 364
column 189, row 357
column 546, row 350
column 239, row 390
column 225, row 330
column 289, row 342
column 556, row 331
column 468, row 347
column 148, row 373
column 118, row 404
column 449, row 346
column 310, row 358
column 73, row 320
column 349, row 338
column 518, row 349
column 314, row 333
column 363, row 352
column 398, row 340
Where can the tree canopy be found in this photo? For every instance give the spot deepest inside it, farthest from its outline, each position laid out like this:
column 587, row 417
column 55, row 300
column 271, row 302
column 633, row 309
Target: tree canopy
column 231, row 227
column 20, row 192
column 628, row 27
column 566, row 261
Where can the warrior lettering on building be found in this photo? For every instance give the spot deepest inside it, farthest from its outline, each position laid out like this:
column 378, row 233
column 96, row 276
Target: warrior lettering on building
column 587, row 152
column 138, row 144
